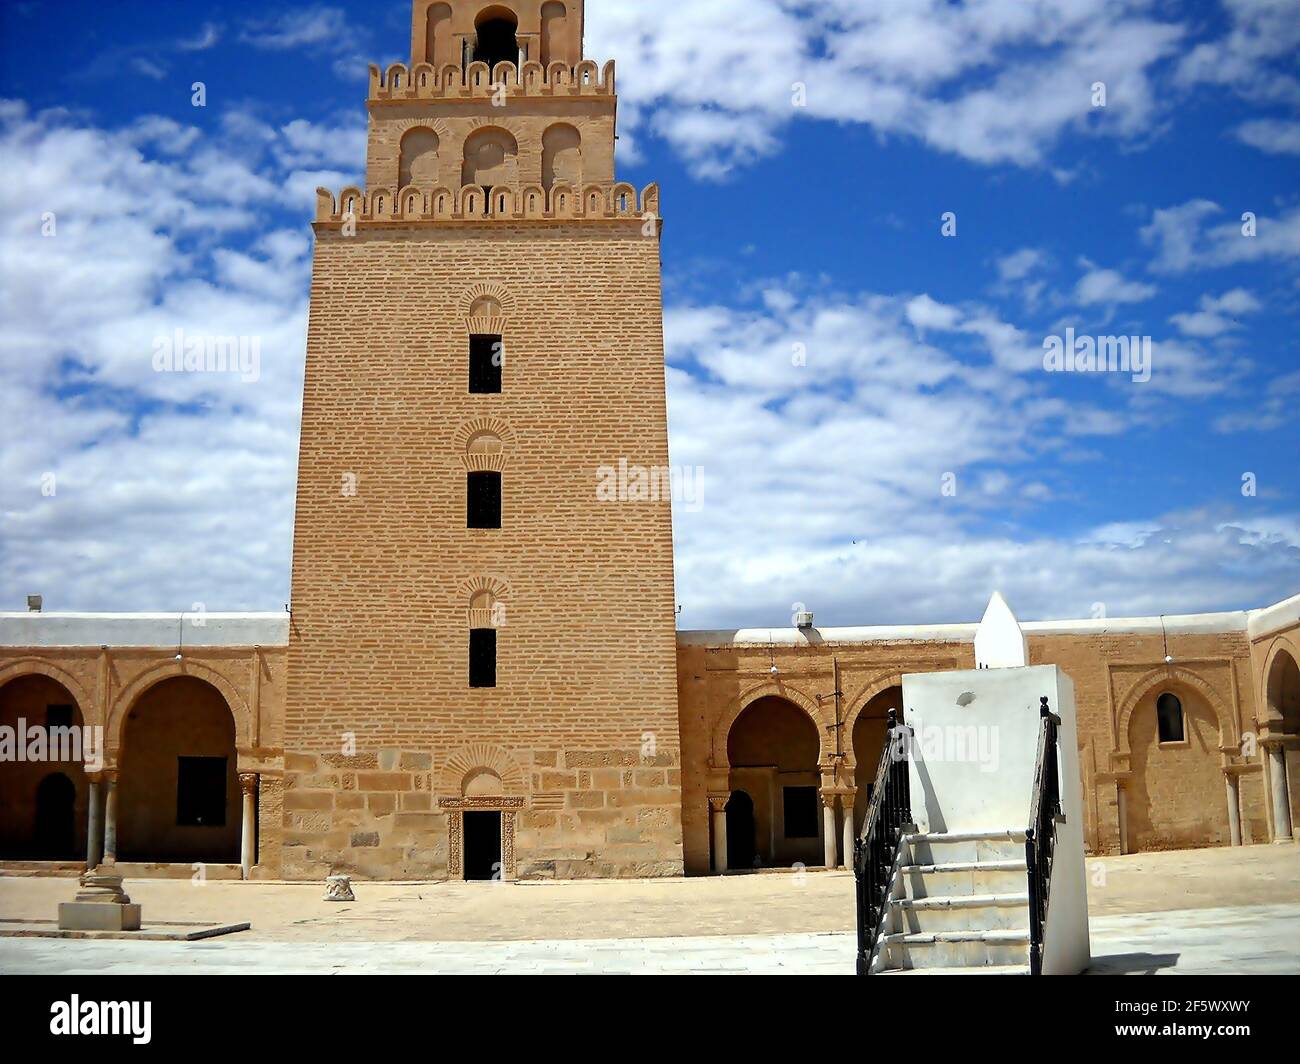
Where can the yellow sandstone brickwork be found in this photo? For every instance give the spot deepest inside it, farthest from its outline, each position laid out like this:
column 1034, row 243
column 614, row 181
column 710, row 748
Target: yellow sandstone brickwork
column 485, row 230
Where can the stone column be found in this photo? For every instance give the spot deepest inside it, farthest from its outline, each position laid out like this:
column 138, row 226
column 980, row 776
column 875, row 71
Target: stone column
column 110, row 818
column 1121, row 799
column 1281, row 798
column 1232, row 785
column 718, row 807
column 248, row 784
column 846, row 808
column 94, row 826
column 828, row 828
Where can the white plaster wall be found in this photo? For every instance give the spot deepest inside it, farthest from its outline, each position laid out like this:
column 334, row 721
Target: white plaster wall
column 1001, row 708
column 163, row 630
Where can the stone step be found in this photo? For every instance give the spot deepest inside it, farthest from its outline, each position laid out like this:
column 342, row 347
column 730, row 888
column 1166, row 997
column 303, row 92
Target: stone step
column 962, row 912
column 960, row 878
column 985, row 969
column 951, row 847
column 954, row 949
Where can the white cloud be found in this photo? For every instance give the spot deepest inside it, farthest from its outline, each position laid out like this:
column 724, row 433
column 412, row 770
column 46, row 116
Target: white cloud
column 995, row 81
column 1255, row 56
column 156, row 474
column 1183, row 241
column 1019, row 264
column 1217, row 315
column 1101, row 286
column 1272, row 135
column 822, row 480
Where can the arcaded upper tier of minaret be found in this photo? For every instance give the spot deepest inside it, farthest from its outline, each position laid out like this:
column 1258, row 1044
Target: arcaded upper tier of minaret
column 498, row 116
column 459, row 32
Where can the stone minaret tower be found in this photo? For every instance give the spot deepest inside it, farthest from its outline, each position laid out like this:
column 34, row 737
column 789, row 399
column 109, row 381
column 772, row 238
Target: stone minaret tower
column 482, row 658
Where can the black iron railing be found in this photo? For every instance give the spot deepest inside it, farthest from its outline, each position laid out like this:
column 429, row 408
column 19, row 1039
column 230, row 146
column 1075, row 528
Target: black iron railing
column 1040, row 836
column 876, row 849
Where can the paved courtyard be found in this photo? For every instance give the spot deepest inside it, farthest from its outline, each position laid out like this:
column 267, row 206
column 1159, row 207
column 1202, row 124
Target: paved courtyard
column 1163, row 913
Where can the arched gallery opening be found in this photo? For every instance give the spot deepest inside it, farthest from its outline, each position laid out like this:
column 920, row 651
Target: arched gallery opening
column 1283, row 759
column 1175, row 773
column 869, row 732
column 773, row 748
column 43, row 794
column 496, row 40
column 178, row 793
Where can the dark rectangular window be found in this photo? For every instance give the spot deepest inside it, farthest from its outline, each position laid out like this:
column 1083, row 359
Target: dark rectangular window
column 58, row 716
column 483, row 657
column 487, row 355
column 800, row 812
column 483, row 500
column 201, row 792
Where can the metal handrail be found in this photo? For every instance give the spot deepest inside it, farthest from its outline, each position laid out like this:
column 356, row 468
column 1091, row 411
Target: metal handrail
column 876, row 849
column 1040, row 836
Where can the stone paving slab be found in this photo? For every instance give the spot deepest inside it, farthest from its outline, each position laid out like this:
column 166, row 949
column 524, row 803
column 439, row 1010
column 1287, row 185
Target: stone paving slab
column 1240, row 940
column 153, row 931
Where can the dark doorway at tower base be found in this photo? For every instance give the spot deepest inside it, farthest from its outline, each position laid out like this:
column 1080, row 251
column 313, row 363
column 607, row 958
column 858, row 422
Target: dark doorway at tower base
column 482, row 846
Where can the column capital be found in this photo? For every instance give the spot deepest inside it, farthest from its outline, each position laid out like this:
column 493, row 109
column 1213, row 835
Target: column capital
column 718, row 802
column 248, row 782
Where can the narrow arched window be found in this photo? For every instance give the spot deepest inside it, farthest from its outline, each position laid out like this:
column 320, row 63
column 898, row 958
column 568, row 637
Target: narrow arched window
column 1169, row 718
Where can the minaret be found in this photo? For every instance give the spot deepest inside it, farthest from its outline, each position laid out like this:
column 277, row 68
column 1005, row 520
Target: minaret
column 482, row 657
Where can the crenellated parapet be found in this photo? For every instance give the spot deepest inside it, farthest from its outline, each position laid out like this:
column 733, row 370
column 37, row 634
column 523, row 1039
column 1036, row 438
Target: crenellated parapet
column 400, row 83
column 476, row 204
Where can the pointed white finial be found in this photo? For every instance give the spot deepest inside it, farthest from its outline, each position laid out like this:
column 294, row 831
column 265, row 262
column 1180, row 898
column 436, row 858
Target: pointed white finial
column 999, row 641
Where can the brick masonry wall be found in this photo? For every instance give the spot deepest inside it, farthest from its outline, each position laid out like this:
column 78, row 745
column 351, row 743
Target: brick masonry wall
column 585, row 707
column 1176, row 794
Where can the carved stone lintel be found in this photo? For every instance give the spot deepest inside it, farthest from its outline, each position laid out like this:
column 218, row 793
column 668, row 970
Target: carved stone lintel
column 339, row 888
column 487, row 802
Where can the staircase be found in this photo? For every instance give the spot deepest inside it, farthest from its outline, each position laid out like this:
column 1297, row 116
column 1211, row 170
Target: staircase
column 957, row 904
column 940, row 891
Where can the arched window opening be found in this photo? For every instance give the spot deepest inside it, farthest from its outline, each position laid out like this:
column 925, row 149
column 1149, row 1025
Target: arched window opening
column 1169, row 718
column 496, row 41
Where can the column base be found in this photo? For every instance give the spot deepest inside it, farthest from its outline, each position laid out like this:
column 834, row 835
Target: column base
column 98, row 916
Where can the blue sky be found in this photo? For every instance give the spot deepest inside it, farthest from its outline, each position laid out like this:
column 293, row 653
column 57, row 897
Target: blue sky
column 813, row 227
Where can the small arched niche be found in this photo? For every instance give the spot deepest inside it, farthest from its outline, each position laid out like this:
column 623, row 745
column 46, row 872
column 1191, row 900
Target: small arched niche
column 555, row 28
column 490, row 158
column 561, row 156
column 419, row 158
column 438, row 42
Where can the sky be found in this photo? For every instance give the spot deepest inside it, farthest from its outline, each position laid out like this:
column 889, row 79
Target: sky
column 878, row 215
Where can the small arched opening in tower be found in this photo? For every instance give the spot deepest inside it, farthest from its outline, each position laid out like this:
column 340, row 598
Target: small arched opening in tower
column 497, row 41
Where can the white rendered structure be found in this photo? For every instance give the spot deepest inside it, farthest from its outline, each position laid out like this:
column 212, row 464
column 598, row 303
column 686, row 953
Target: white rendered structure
column 960, row 895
